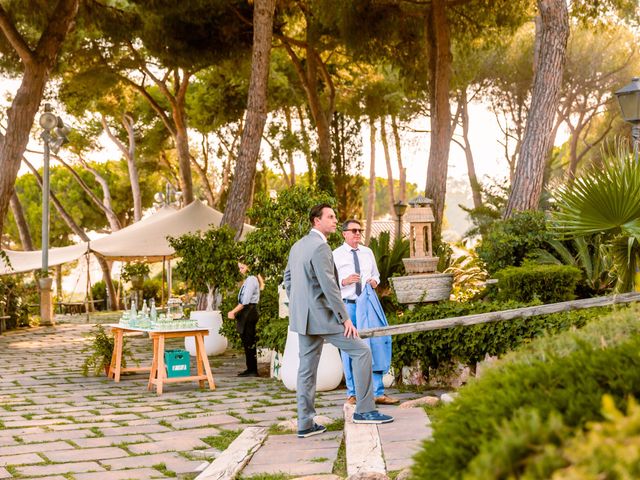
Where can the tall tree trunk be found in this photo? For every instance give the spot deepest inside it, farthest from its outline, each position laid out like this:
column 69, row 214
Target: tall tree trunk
column 387, row 158
column 244, row 175
column 371, row 197
column 547, row 80
column 313, row 74
column 184, row 156
column 75, row 228
column 202, row 170
column 38, row 64
column 21, row 222
column 402, row 193
column 105, row 205
column 129, row 153
column 439, row 43
column 471, row 168
column 306, row 146
column 292, row 167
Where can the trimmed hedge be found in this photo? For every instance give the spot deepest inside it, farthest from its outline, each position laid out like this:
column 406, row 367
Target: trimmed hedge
column 514, row 420
column 547, row 283
column 444, row 348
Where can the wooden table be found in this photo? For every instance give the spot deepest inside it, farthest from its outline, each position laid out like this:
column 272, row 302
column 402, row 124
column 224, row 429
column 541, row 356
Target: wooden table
column 157, row 371
column 116, row 357
column 158, row 375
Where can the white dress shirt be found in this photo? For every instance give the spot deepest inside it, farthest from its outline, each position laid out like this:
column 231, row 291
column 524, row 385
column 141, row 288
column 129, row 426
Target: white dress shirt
column 343, row 258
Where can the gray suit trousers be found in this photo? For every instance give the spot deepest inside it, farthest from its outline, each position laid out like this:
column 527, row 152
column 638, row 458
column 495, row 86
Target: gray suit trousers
column 310, row 350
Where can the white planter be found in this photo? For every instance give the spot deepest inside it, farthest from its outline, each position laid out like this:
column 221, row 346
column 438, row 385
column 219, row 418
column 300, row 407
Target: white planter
column 389, row 378
column 283, row 302
column 329, row 369
column 275, row 365
column 214, row 343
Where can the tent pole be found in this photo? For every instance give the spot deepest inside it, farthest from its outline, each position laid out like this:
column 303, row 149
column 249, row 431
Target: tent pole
column 169, row 280
column 87, row 293
column 164, row 259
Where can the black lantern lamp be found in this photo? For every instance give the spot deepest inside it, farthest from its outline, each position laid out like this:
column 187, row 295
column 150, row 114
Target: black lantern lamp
column 629, row 100
column 399, row 207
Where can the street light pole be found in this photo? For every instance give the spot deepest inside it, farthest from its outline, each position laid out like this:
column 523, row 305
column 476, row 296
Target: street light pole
column 45, row 205
column 49, row 123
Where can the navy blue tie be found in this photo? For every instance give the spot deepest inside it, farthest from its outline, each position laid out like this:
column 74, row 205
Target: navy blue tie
column 356, row 263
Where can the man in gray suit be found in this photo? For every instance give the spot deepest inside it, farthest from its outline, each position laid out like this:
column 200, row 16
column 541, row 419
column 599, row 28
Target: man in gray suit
column 317, row 313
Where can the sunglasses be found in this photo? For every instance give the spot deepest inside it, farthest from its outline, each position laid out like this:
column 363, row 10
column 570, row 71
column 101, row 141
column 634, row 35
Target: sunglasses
column 355, row 231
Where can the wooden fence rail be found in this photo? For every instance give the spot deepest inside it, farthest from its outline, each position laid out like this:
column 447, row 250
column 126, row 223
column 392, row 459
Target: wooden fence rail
column 498, row 316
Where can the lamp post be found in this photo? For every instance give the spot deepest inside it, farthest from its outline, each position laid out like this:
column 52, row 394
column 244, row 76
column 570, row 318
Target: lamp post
column 629, row 100
column 399, row 207
column 169, row 197
column 54, row 134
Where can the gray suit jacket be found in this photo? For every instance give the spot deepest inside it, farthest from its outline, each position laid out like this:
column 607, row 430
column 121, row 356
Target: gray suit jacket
column 315, row 304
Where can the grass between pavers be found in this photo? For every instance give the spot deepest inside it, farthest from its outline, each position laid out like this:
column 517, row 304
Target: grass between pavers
column 340, row 465
column 223, row 440
column 162, row 468
column 267, row 476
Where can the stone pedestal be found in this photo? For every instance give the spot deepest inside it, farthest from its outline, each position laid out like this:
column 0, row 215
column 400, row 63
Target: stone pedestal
column 423, row 288
column 46, row 302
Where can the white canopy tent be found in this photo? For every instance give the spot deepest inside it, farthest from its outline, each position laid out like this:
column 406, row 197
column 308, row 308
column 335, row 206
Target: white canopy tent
column 145, row 240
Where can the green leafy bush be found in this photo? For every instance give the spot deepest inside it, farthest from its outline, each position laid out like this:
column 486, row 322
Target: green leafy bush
column 512, row 421
column 547, row 283
column 608, row 449
column 151, row 289
column 100, row 351
column 509, row 242
column 441, row 349
column 15, row 296
column 99, row 292
column 280, row 223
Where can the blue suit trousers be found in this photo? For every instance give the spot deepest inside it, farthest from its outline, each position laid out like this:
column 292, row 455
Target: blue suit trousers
column 378, row 386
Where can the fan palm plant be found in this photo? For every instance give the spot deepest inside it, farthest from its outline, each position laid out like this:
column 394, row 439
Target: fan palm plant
column 605, row 201
column 388, row 258
column 588, row 254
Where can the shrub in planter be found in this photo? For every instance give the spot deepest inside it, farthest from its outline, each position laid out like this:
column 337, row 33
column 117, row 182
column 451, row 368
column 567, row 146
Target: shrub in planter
column 208, row 261
column 100, row 351
column 547, row 283
column 511, row 422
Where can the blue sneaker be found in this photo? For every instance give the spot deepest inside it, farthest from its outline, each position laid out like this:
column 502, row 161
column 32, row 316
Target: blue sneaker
column 315, row 430
column 372, row 417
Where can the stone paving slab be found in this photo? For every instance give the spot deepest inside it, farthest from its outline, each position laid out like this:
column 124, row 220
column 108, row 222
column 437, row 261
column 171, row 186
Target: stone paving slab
column 135, row 473
column 403, row 438
column 4, row 473
column 171, row 460
column 77, row 455
column 291, row 455
column 61, row 468
column 22, row 459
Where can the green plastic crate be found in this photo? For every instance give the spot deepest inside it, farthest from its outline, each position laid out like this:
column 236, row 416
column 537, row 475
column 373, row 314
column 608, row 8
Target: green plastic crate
column 177, row 362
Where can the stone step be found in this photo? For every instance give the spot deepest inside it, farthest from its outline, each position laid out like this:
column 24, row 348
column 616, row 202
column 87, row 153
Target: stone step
column 235, row 457
column 363, row 446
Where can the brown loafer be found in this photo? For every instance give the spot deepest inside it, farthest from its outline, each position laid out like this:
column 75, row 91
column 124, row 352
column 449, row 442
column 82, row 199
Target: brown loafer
column 386, row 400
column 351, row 400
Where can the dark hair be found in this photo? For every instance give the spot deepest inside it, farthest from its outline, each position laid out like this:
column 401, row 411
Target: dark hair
column 345, row 225
column 316, row 211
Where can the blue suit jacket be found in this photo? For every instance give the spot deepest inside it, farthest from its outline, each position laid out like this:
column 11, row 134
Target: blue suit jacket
column 369, row 314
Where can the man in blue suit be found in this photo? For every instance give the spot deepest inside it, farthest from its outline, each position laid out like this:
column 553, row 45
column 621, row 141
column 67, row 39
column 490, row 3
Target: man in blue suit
column 357, row 269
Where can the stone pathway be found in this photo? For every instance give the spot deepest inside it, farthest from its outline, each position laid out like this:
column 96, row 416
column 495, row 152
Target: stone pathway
column 57, row 424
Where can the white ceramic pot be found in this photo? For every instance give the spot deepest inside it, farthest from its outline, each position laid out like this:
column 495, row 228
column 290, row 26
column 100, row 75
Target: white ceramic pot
column 275, row 365
column 329, row 369
column 389, row 378
column 214, row 343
